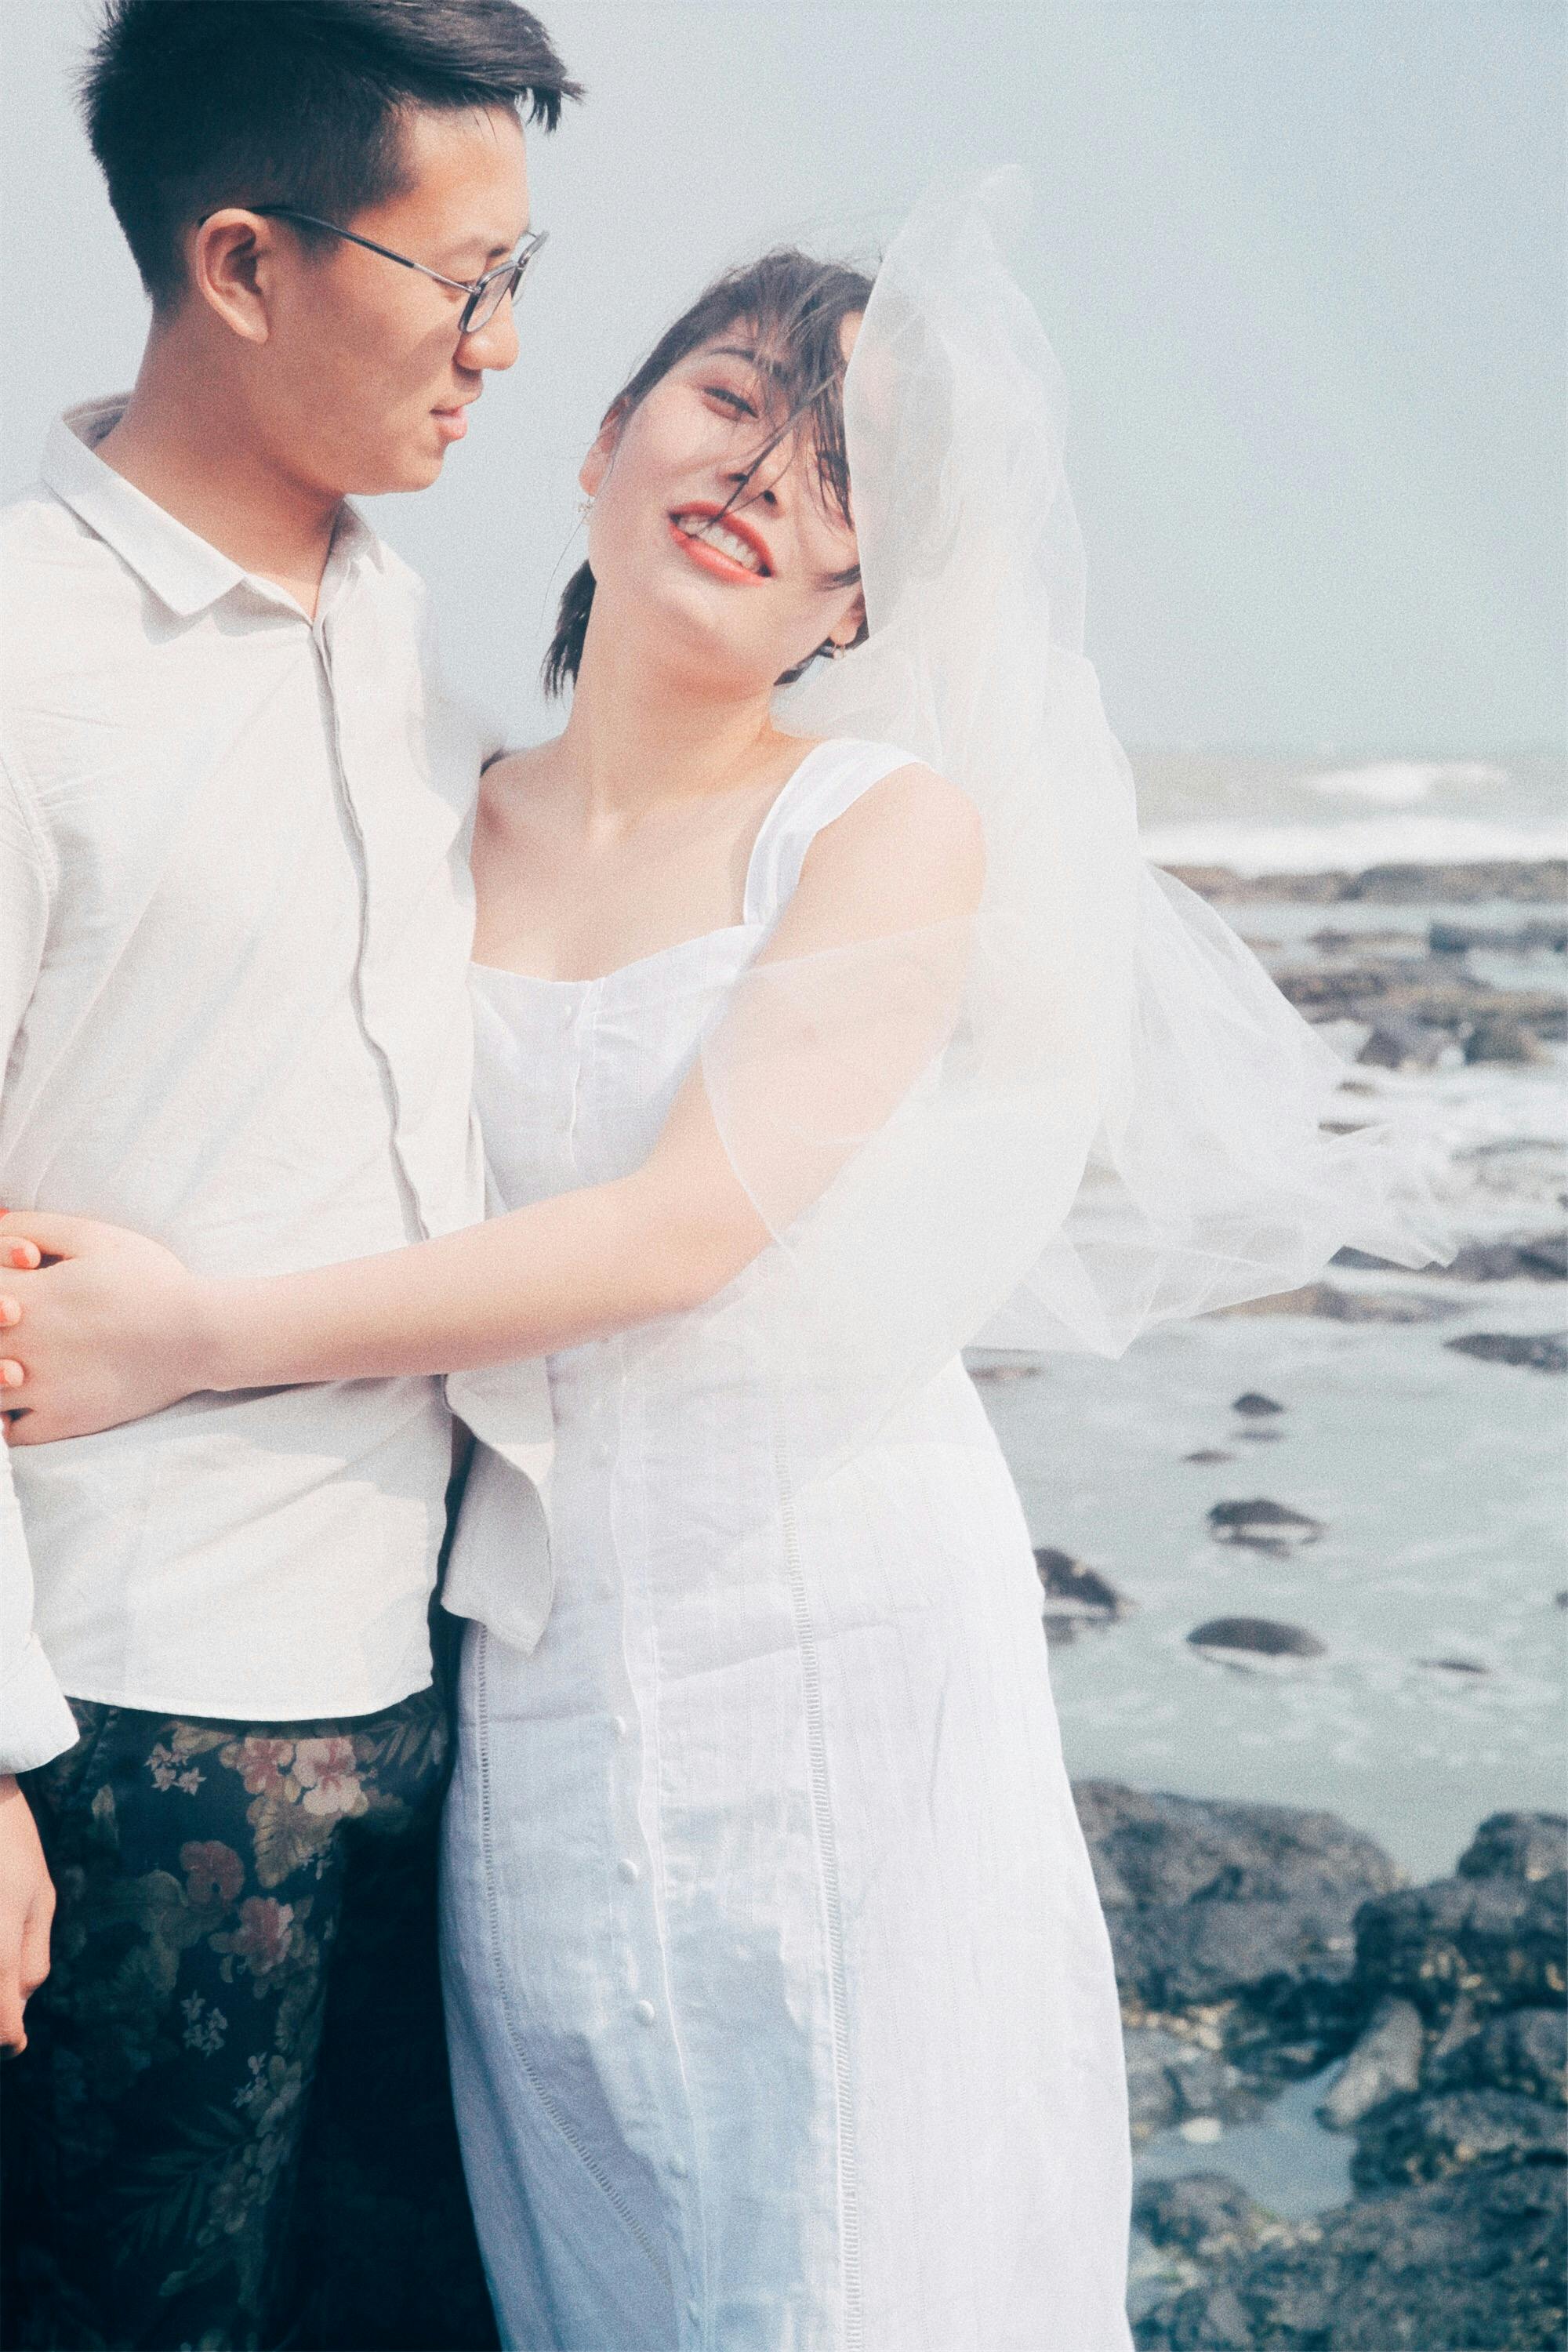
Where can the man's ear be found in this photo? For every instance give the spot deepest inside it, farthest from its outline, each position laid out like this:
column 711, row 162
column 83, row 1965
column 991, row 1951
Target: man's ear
column 596, row 464
column 232, row 256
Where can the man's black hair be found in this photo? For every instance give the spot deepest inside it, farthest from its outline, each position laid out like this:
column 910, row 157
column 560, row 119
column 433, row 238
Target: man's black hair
column 194, row 104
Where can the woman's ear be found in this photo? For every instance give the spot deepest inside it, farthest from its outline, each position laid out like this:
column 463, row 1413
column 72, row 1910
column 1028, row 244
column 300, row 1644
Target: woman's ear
column 845, row 631
column 596, row 464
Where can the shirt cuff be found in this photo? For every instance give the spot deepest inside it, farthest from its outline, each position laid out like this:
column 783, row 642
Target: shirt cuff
column 36, row 1720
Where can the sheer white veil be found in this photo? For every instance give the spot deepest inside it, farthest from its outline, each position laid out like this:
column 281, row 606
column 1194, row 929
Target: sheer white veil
column 1119, row 1116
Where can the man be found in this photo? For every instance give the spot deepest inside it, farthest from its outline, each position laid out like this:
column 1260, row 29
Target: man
column 234, row 930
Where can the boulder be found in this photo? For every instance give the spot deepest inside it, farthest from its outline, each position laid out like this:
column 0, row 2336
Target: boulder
column 1473, row 2263
column 1497, row 1038
column 1214, row 1453
column 1517, row 1845
column 1384, row 2064
column 1399, row 1043
column 1267, row 1637
column 1494, row 1941
column 1212, row 1902
column 1263, row 1526
column 1548, row 932
column 1253, row 1405
column 1076, row 1590
column 1336, row 1305
column 1423, row 2138
column 1173, row 2078
column 1524, row 2050
column 1538, row 1351
column 1205, row 2214
column 1539, row 1258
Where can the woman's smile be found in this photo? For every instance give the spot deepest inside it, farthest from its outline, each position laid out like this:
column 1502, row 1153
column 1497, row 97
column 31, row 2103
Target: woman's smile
column 731, row 549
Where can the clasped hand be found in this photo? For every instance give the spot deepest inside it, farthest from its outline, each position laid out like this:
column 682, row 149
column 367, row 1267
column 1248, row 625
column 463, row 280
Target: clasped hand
column 97, row 1326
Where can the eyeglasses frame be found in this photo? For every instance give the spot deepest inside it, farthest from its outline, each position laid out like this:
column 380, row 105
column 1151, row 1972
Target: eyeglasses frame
column 516, row 267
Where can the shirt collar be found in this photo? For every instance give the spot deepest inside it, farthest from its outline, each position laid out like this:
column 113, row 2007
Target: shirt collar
column 184, row 571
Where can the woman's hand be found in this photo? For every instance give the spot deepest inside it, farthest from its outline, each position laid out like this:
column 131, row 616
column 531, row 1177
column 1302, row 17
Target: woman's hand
column 112, row 1328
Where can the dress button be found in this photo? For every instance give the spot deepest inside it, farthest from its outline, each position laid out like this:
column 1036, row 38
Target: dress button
column 630, row 1872
column 619, row 1725
column 602, row 1449
column 679, row 2166
column 644, row 2011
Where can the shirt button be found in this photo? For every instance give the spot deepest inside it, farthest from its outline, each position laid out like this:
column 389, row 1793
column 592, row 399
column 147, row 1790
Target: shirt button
column 630, row 1872
column 679, row 2166
column 619, row 1725
column 644, row 2011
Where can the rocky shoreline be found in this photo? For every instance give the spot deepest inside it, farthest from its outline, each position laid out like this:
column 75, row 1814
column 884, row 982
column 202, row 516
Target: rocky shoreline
column 1257, row 1945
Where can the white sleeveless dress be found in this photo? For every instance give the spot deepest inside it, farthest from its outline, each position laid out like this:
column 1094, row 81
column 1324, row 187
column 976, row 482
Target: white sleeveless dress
column 781, row 2005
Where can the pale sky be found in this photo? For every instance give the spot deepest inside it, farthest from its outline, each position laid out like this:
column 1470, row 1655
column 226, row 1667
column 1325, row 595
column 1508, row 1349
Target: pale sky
column 1301, row 259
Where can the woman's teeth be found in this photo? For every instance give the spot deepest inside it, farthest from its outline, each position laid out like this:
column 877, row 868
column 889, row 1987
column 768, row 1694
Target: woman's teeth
column 728, row 542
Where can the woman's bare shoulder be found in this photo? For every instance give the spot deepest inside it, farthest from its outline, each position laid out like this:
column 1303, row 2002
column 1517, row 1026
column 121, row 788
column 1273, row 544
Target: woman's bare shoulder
column 516, row 778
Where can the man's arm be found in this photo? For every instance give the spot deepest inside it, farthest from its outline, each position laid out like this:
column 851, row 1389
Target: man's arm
column 36, row 1721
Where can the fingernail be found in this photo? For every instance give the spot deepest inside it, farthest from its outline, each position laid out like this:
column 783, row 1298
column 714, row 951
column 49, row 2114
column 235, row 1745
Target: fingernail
column 23, row 1254
column 9, row 1312
column 12, row 1374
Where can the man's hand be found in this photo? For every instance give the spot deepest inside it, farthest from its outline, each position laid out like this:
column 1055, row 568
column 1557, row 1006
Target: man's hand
column 26, row 1909
column 112, row 1329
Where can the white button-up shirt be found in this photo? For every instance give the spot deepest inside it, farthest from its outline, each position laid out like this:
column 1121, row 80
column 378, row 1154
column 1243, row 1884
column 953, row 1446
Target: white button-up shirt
column 234, row 923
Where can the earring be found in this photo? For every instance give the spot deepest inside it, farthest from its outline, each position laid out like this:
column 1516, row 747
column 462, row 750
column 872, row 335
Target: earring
column 836, row 652
column 584, row 507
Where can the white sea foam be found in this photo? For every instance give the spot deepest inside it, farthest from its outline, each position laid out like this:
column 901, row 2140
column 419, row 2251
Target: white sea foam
column 1401, row 783
column 1351, row 845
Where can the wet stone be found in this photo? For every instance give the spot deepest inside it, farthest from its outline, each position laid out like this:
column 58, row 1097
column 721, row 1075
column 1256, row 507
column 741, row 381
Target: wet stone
column 1537, row 1351
column 1262, row 1526
column 1267, row 1637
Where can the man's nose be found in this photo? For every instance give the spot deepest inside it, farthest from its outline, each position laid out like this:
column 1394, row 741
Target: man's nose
column 493, row 345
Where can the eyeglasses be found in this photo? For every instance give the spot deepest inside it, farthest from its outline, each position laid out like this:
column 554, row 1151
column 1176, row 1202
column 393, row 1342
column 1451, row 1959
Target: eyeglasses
column 485, row 294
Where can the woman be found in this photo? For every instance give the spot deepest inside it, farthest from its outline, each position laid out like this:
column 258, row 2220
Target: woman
column 781, row 2008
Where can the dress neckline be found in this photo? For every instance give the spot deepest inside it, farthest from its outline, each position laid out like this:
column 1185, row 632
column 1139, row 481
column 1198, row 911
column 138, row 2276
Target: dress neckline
column 699, row 938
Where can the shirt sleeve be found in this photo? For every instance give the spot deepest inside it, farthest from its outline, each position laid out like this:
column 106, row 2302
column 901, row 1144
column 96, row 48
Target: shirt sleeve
column 36, row 1720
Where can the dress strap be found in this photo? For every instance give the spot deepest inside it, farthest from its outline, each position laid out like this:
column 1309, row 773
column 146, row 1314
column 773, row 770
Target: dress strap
column 830, row 780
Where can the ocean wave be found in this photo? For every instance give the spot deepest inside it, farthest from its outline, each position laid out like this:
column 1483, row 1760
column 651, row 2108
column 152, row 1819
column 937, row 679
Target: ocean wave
column 1350, row 846
column 1401, row 783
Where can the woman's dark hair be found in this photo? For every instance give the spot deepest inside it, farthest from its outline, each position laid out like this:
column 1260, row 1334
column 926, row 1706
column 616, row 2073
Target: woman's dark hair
column 192, row 104
column 791, row 308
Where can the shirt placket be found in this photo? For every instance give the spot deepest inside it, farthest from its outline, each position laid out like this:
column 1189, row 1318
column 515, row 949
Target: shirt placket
column 374, row 982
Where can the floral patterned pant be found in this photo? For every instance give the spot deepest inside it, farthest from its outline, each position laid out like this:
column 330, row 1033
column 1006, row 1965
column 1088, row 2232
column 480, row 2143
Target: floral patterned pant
column 162, row 2187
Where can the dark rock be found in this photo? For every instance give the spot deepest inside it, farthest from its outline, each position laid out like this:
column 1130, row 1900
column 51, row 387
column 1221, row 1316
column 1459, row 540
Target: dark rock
column 1550, row 931
column 1262, row 1526
column 1538, row 1351
column 1399, row 1043
column 1541, row 1258
column 1499, row 1039
column 1253, row 1405
column 1471, row 2264
column 1524, row 2050
column 1212, row 1453
column 1384, row 2064
column 1267, row 1636
column 1210, row 1901
column 1203, row 2213
column 1517, row 1845
column 1545, row 1256
column 1324, row 1298
column 1531, row 881
column 1454, row 1666
column 1071, row 1590
column 1423, row 2138
column 1172, row 2078
column 1495, row 1941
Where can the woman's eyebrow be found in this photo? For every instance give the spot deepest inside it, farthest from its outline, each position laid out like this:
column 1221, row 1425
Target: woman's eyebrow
column 758, row 360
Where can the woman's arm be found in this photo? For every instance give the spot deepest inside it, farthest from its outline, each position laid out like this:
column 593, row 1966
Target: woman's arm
column 118, row 1329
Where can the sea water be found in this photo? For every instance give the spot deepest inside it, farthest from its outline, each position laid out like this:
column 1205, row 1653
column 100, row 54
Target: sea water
column 1436, row 1585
